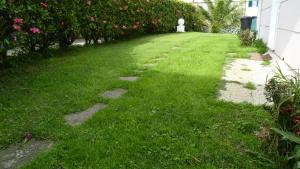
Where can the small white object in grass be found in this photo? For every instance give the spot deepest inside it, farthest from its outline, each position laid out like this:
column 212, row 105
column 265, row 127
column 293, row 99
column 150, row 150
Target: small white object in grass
column 181, row 27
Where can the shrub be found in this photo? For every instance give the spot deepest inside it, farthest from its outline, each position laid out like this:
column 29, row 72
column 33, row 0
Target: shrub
column 118, row 19
column 7, row 33
column 246, row 37
column 66, row 21
column 284, row 93
column 43, row 23
column 261, row 46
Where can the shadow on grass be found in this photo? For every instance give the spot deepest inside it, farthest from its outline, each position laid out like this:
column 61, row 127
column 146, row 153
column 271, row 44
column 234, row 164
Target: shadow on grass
column 166, row 120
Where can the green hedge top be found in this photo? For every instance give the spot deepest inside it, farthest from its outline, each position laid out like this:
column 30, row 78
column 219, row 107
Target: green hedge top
column 35, row 24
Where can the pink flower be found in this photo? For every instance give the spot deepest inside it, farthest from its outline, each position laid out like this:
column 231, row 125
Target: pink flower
column 44, row 5
column 116, row 26
column 135, row 26
column 104, row 21
column 18, row 21
column 35, row 30
column 16, row 27
column 124, row 27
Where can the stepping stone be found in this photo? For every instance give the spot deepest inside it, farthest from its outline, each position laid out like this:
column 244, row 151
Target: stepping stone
column 17, row 155
column 149, row 65
column 138, row 71
column 114, row 94
column 129, row 78
column 234, row 92
column 78, row 118
column 175, row 48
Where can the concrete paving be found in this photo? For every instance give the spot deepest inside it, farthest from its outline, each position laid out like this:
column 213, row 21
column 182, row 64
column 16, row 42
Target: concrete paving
column 76, row 119
column 129, row 78
column 239, row 72
column 16, row 155
column 114, row 94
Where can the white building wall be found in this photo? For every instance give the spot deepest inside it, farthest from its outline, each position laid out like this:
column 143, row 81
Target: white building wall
column 287, row 29
column 248, row 11
column 264, row 20
column 253, row 10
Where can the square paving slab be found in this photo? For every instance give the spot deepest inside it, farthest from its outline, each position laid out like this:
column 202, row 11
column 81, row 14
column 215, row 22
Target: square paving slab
column 138, row 71
column 114, row 94
column 235, row 72
column 237, row 93
column 17, row 155
column 148, row 65
column 78, row 118
column 129, row 78
column 239, row 72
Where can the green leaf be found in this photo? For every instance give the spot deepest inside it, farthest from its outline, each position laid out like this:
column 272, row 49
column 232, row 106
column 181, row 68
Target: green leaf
column 296, row 153
column 287, row 135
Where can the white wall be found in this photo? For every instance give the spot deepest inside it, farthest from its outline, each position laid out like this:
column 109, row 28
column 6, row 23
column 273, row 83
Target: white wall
column 287, row 29
column 198, row 2
column 253, row 10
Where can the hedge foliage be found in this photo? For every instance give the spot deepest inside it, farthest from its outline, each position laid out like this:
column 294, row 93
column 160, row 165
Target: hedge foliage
column 35, row 25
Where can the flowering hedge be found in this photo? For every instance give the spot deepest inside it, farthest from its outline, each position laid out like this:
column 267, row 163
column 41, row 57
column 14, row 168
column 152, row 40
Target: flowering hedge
column 37, row 24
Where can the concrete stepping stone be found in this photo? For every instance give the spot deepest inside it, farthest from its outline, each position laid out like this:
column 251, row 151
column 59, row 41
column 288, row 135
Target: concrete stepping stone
column 129, row 78
column 238, row 73
column 114, row 94
column 237, row 93
column 138, row 71
column 78, row 118
column 16, row 155
column 148, row 65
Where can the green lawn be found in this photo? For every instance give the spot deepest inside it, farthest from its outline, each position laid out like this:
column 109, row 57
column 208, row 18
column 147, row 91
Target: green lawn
column 170, row 117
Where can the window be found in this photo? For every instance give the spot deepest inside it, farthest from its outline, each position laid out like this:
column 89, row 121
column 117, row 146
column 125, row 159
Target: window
column 257, row 3
column 250, row 3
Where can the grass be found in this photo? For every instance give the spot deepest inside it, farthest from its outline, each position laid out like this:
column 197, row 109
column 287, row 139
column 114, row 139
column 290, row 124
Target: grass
column 170, row 117
column 250, row 86
column 266, row 63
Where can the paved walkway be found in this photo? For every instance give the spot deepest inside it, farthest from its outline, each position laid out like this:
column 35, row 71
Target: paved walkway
column 17, row 155
column 240, row 73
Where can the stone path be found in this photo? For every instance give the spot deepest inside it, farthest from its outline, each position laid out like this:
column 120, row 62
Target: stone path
column 138, row 71
column 78, row 118
column 148, row 65
column 129, row 78
column 239, row 72
column 235, row 77
column 238, row 93
column 114, row 94
column 17, row 155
